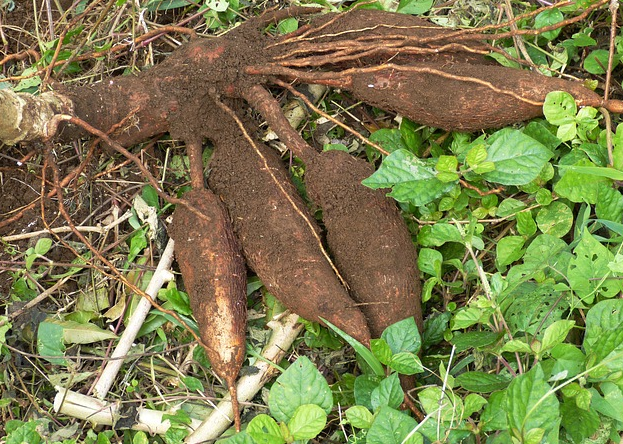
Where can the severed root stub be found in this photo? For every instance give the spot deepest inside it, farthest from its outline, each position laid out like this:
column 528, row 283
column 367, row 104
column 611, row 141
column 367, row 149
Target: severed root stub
column 214, row 274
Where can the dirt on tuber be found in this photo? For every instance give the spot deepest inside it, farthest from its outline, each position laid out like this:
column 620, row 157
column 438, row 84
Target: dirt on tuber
column 278, row 235
column 214, row 273
column 368, row 238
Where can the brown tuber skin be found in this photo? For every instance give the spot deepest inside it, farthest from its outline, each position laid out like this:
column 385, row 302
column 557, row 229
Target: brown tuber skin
column 368, row 238
column 366, row 234
column 275, row 231
column 464, row 97
column 214, row 274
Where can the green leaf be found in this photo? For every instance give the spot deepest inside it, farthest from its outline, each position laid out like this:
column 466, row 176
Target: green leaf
column 466, row 317
column 509, row 249
column 579, row 423
column 163, row 5
column 540, row 132
column 580, row 185
column 446, row 168
column 473, row 404
column 192, row 383
column 611, row 403
column 307, row 422
column 590, row 266
column 556, row 333
column 4, row 328
column 392, row 427
column 442, row 406
column 300, row 384
column 381, row 350
column 530, row 405
column 547, row 18
column 509, row 206
column 406, row 363
column 403, row 336
column 265, row 430
column 179, row 300
column 288, row 25
column 494, row 415
column 617, row 152
column 592, row 170
column 25, row 433
column 476, row 155
column 76, row 333
column 410, row 135
column 556, row 219
column 609, row 203
column 518, row 158
column 604, row 331
column 559, row 108
column 517, row 345
column 569, row 359
column 364, row 386
column 430, row 261
column 50, row 342
column 411, row 179
column 474, row 339
column 415, row 7
column 359, row 416
column 239, row 438
column 438, row 234
column 390, row 139
column 361, row 349
column 597, row 61
column 481, row 382
column 581, row 39
column 43, row 245
column 526, row 226
column 150, row 196
column 389, row 393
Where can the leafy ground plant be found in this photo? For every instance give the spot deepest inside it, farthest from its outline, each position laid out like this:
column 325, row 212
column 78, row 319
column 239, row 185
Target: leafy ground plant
column 519, row 234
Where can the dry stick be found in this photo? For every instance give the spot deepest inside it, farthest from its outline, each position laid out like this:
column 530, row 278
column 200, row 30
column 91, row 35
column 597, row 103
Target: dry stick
column 329, row 117
column 35, row 301
column 61, row 37
column 614, row 7
column 148, row 299
column 285, row 330
column 89, row 229
column 100, row 413
column 21, row 56
column 160, row 277
column 519, row 44
column 308, row 152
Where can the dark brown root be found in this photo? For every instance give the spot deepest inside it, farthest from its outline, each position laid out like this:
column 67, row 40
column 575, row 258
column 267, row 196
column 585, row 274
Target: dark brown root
column 368, row 238
column 278, row 235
